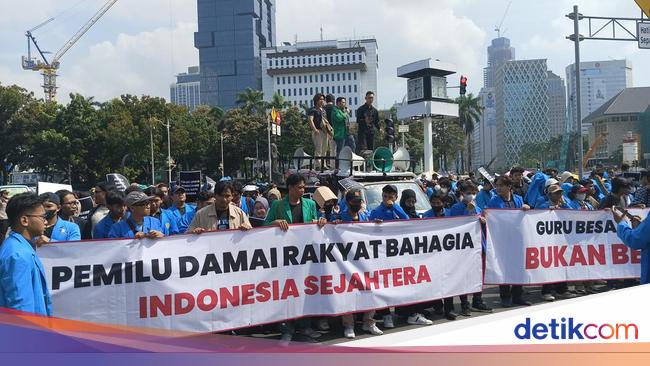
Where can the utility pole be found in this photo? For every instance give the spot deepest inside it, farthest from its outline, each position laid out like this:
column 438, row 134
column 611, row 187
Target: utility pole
column 576, row 38
column 169, row 155
column 223, row 167
column 153, row 169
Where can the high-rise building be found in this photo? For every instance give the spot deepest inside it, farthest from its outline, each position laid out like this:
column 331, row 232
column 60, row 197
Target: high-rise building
column 342, row 68
column 556, row 105
column 484, row 136
column 498, row 53
column 187, row 88
column 229, row 38
column 522, row 108
column 600, row 81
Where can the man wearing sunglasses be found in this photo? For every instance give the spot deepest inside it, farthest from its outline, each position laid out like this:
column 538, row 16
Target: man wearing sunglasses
column 23, row 285
column 139, row 225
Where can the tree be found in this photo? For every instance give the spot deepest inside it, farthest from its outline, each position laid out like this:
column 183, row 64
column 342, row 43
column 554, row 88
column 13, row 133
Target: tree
column 469, row 111
column 278, row 102
column 252, row 101
column 14, row 100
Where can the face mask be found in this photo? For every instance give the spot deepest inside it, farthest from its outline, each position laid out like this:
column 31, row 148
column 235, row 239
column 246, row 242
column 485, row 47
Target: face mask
column 468, row 197
column 436, row 187
column 49, row 214
column 355, row 208
column 438, row 208
column 581, row 197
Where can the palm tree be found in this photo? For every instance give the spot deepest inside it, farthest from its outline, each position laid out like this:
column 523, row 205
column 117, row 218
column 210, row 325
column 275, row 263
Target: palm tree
column 470, row 111
column 252, row 101
column 278, row 102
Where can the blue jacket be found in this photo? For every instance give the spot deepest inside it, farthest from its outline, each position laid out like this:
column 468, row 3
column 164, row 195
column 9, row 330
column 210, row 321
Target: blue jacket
column 547, row 204
column 183, row 221
column 384, row 213
column 497, row 202
column 168, row 223
column 363, row 216
column 483, row 197
column 246, row 205
column 103, row 227
column 23, row 285
column 65, row 231
column 460, row 209
column 123, row 230
column 575, row 204
column 536, row 188
column 430, row 213
column 638, row 238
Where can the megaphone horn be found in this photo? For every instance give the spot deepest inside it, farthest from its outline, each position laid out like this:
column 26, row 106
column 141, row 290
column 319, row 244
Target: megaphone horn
column 401, row 159
column 348, row 161
column 382, row 159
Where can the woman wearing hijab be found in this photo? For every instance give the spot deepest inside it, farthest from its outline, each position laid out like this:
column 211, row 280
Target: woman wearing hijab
column 260, row 209
column 407, row 202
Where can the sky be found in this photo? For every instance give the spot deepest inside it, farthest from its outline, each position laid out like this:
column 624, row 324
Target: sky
column 139, row 45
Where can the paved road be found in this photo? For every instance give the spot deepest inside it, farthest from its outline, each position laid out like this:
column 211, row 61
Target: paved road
column 335, row 334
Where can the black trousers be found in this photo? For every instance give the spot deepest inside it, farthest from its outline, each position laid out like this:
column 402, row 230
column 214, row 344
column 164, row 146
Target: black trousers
column 366, row 141
column 560, row 288
column 508, row 291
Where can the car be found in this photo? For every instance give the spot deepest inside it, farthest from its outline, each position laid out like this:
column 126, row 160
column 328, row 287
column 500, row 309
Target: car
column 15, row 189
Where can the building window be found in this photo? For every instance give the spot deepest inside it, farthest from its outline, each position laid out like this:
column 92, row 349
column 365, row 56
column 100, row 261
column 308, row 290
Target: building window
column 306, row 91
column 338, row 89
column 344, row 89
column 321, row 78
column 327, row 77
column 299, row 79
column 289, row 90
column 320, row 59
column 348, row 58
column 349, row 76
column 337, row 58
column 338, row 76
column 343, row 76
column 355, row 75
column 311, row 91
column 277, row 80
column 294, row 79
column 331, row 59
column 310, row 79
column 294, row 92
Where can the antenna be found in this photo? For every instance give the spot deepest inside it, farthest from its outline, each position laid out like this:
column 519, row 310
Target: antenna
column 321, row 32
column 498, row 27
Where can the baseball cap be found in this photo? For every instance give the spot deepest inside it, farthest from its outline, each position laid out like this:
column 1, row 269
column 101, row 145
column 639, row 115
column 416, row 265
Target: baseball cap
column 250, row 188
column 136, row 197
column 179, row 188
column 51, row 197
column 353, row 195
column 554, row 188
column 389, row 188
column 550, row 182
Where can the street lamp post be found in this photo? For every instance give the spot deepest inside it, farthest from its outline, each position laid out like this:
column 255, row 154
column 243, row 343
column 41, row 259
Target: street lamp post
column 153, row 169
column 169, row 155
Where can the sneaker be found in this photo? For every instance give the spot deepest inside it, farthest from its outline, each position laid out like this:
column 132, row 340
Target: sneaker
column 548, row 297
column 372, row 329
column 451, row 315
column 348, row 332
column 521, row 301
column 567, row 295
column 388, row 321
column 481, row 307
column 309, row 332
column 323, row 324
column 418, row 319
column 465, row 311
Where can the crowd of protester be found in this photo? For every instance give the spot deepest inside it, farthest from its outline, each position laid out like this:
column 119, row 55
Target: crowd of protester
column 158, row 211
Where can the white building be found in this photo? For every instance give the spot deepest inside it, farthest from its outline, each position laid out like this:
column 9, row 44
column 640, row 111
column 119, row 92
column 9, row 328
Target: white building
column 600, row 81
column 187, row 88
column 342, row 68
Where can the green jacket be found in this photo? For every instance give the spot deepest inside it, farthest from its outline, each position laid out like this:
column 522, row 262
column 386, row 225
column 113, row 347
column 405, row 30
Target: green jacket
column 339, row 123
column 281, row 210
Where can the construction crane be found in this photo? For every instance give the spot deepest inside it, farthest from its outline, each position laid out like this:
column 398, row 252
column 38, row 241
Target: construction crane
column 595, row 145
column 48, row 68
column 497, row 28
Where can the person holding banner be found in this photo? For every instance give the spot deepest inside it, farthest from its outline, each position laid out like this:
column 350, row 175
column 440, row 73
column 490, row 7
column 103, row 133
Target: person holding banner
column 467, row 207
column 116, row 212
column 139, row 224
column 56, row 228
column 23, row 284
column 636, row 236
column 294, row 209
column 506, row 199
column 221, row 215
column 388, row 209
column 485, row 194
column 355, row 213
column 260, row 210
column 180, row 212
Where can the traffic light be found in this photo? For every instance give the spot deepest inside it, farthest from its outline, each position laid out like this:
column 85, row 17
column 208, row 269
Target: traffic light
column 463, row 85
column 390, row 131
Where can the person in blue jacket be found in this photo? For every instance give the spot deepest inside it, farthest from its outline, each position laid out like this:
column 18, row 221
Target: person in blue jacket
column 56, row 228
column 506, row 199
column 116, row 213
column 555, row 198
column 485, row 194
column 23, row 284
column 437, row 208
column 139, row 224
column 180, row 212
column 388, row 209
column 637, row 237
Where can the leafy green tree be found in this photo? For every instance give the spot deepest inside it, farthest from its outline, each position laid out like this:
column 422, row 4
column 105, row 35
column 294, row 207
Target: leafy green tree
column 278, row 102
column 470, row 111
column 252, row 101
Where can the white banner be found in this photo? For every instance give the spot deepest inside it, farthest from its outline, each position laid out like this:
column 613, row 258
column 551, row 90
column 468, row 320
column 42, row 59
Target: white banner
column 544, row 246
column 225, row 280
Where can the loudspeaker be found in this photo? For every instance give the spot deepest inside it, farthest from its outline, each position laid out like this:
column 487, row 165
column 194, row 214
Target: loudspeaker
column 300, row 159
column 401, row 159
column 348, row 161
column 382, row 159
